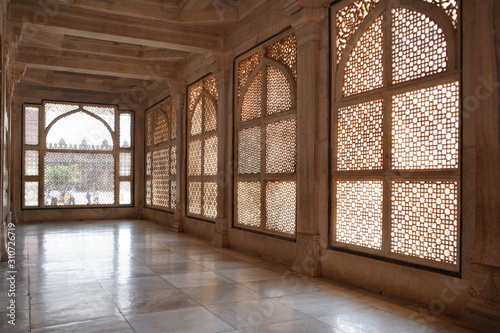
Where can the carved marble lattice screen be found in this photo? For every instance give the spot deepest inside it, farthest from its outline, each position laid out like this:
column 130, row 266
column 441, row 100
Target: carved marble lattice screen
column 77, row 154
column 161, row 156
column 396, row 130
column 203, row 149
column 266, row 138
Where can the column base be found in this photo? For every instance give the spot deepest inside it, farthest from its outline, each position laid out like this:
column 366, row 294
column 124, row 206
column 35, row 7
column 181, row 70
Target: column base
column 307, row 261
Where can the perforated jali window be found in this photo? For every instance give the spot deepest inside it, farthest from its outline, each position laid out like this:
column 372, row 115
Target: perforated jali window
column 77, row 155
column 266, row 138
column 203, row 149
column 161, row 156
column 396, row 130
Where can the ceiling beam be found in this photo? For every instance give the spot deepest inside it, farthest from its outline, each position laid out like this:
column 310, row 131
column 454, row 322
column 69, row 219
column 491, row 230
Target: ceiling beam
column 88, row 23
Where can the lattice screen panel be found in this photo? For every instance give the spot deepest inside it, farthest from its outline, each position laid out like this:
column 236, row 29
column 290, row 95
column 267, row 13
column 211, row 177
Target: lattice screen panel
column 425, row 220
column 396, row 116
column 31, row 163
column 149, row 128
column 249, row 150
column 31, row 194
column 173, row 120
column 249, row 198
column 411, row 30
column 105, row 113
column 31, row 122
column 194, row 158
column 148, row 163
column 281, row 146
column 359, row 136
column 246, row 67
column 348, row 19
column 194, row 198
column 279, row 92
column 125, row 130
column 426, row 128
column 160, row 182
column 52, row 111
column 266, row 137
column 359, row 213
column 173, row 194
column 149, row 192
column 203, row 148
column 210, row 199
column 173, row 160
column 210, row 155
column 281, row 198
column 79, row 178
column 125, row 164
column 161, row 129
column 284, row 51
column 364, row 68
column 252, row 100
column 125, row 193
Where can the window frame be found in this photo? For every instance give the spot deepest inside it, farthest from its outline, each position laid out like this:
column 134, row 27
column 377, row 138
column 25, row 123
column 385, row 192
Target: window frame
column 389, row 174
column 42, row 148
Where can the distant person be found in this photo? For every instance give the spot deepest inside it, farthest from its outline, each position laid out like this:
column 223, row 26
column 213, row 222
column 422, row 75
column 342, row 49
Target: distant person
column 88, row 198
column 96, row 197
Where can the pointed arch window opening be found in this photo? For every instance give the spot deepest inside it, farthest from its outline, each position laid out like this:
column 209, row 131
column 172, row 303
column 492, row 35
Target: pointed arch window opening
column 74, row 155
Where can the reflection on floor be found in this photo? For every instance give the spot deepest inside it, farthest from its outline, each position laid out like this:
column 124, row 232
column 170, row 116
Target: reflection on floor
column 136, row 276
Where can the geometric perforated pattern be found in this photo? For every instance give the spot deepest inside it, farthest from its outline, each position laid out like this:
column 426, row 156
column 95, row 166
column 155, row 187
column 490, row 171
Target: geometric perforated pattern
column 246, row 67
column 203, row 148
column 284, row 51
column 266, row 134
column 249, row 203
column 348, row 19
column 194, row 198
column 359, row 213
column 281, row 206
column 449, row 6
column 425, row 128
column 363, row 69
column 252, row 100
column 425, row 220
column 54, row 110
column 31, row 125
column 411, row 30
column 281, row 146
column 210, row 199
column 396, row 144
column 161, row 155
column 31, row 163
column 161, row 186
column 279, row 92
column 72, row 160
column 359, row 136
column 249, row 150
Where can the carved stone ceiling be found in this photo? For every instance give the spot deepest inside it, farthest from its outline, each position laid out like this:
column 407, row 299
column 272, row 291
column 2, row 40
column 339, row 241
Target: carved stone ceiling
column 102, row 50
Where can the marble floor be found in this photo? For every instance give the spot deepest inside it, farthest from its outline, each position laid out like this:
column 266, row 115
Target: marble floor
column 136, row 276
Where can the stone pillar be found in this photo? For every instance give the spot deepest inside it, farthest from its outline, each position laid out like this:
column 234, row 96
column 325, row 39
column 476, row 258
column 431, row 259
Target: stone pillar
column 308, row 28
column 179, row 103
column 481, row 36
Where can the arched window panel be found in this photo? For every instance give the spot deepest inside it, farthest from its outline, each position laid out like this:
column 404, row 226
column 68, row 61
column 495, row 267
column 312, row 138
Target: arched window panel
column 105, row 113
column 419, row 46
column 396, row 143
column 203, row 149
column 284, row 51
column 348, row 19
column 364, row 67
column 266, row 138
column 79, row 131
column 251, row 107
column 245, row 68
column 161, row 156
column 31, row 125
column 54, row 110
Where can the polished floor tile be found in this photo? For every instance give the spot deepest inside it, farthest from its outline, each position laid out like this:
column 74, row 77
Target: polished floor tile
column 192, row 320
column 136, row 276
